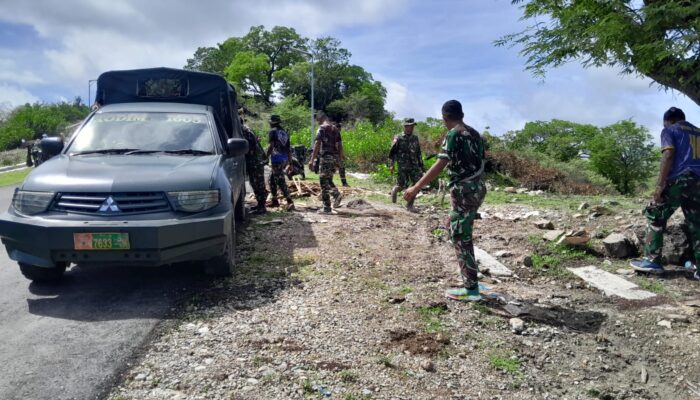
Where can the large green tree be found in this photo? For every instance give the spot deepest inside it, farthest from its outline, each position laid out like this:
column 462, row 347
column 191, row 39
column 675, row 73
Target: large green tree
column 30, row 121
column 251, row 62
column 659, row 39
column 623, row 152
column 561, row 140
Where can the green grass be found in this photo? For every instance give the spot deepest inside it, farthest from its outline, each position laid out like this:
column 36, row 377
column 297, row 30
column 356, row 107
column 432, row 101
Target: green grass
column 508, row 364
column 14, row 177
column 558, row 201
column 652, row 285
column 551, row 259
column 348, row 376
column 431, row 318
column 387, row 361
column 404, row 290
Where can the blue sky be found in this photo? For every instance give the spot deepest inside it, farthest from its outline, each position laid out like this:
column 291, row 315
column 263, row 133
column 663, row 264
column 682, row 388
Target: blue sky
column 423, row 52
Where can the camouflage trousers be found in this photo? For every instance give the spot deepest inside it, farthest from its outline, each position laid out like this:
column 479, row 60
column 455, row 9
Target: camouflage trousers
column 408, row 176
column 278, row 178
column 341, row 171
column 327, row 168
column 684, row 192
column 466, row 200
column 256, row 177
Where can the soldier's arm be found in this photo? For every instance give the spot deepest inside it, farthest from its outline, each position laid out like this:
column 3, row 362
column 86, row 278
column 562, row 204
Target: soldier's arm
column 314, row 153
column 667, row 158
column 429, row 176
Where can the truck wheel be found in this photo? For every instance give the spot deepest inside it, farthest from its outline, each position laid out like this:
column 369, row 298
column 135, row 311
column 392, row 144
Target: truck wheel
column 239, row 211
column 40, row 274
column 224, row 264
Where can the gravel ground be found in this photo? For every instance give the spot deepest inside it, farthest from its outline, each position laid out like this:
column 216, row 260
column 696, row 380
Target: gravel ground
column 351, row 306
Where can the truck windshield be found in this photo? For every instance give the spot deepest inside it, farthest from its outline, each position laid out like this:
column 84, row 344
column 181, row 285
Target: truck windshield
column 146, row 132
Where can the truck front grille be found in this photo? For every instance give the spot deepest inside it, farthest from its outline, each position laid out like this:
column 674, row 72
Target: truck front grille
column 111, row 203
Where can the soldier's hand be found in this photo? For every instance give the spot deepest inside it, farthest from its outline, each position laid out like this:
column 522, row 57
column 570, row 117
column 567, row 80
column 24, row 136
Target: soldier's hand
column 410, row 193
column 391, row 170
column 311, row 165
column 658, row 195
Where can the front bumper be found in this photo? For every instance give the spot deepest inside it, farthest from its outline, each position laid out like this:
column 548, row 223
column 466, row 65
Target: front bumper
column 44, row 241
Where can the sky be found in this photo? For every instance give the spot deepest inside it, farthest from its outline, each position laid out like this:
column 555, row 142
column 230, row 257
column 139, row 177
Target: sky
column 424, row 52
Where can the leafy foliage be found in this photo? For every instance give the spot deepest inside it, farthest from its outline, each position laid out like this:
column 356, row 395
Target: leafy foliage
column 30, row 121
column 655, row 38
column 561, row 140
column 623, row 153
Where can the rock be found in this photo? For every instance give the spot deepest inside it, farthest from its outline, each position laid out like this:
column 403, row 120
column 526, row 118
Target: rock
column 428, row 366
column 535, row 193
column 488, row 262
column 618, row 246
column 583, row 206
column 527, row 261
column 578, row 215
column 552, row 236
column 531, row 214
column 544, row 224
column 677, row 247
column 575, row 238
column 645, row 375
column 503, row 253
column 677, row 318
column 358, row 204
column 252, row 381
column 625, row 272
column 607, row 202
column 510, row 189
column 271, row 222
column 141, row 377
column 396, row 299
column 517, row 325
column 521, row 190
column 199, row 368
column 665, row 323
column 601, row 210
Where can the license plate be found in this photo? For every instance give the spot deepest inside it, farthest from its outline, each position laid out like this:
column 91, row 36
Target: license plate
column 101, row 241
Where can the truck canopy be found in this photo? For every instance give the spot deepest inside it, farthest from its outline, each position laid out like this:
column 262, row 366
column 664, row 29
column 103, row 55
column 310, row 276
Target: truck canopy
column 172, row 85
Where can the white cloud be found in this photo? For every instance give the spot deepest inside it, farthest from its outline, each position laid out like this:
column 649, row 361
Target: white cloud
column 15, row 96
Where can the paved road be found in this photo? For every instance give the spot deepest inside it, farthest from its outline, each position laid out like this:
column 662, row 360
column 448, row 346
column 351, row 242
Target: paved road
column 68, row 340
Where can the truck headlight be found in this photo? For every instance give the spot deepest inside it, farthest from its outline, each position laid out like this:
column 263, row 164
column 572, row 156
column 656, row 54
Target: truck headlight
column 31, row 203
column 194, row 201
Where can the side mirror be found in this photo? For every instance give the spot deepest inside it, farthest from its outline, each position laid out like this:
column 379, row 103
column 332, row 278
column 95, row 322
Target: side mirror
column 237, row 147
column 51, row 146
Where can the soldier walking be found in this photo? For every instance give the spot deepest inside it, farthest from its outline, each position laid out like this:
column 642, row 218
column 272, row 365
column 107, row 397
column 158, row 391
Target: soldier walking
column 406, row 152
column 463, row 154
column 329, row 146
column 341, row 169
column 255, row 161
column 280, row 152
column 678, row 185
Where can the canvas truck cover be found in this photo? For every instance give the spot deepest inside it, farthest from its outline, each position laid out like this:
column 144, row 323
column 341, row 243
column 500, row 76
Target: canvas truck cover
column 172, row 85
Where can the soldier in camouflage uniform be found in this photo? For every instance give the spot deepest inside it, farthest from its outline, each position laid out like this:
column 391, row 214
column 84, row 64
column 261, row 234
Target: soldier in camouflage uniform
column 464, row 156
column 255, row 161
column 406, row 152
column 678, row 185
column 280, row 152
column 329, row 146
column 341, row 169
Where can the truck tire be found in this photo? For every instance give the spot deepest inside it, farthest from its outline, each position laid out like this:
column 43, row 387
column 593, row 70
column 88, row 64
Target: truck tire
column 41, row 274
column 225, row 264
column 239, row 211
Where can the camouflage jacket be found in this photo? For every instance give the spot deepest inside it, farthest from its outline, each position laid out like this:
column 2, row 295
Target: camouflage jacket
column 465, row 152
column 256, row 155
column 406, row 152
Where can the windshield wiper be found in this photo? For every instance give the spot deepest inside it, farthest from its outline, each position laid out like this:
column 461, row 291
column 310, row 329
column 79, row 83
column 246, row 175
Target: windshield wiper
column 189, row 151
column 104, row 151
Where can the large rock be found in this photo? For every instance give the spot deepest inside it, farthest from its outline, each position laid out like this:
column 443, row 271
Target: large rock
column 677, row 248
column 510, row 189
column 618, row 246
column 552, row 235
column 544, row 224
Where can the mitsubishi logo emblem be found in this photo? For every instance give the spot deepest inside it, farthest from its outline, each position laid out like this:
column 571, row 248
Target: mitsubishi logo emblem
column 109, row 206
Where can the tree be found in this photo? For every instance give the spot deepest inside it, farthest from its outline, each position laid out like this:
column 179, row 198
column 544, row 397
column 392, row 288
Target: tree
column 32, row 120
column 343, row 90
column 562, row 140
column 250, row 62
column 656, row 38
column 294, row 113
column 623, row 153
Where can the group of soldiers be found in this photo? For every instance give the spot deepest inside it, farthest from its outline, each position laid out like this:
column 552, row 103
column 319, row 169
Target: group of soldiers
column 463, row 155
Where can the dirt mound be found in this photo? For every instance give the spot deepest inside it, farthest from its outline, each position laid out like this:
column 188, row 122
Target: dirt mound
column 418, row 343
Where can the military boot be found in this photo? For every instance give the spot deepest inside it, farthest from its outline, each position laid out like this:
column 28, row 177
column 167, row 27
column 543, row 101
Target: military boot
column 345, row 182
column 274, row 202
column 394, row 193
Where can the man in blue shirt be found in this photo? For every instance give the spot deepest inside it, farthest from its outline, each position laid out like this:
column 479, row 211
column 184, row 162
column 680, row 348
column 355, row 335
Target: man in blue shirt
column 280, row 152
column 678, row 185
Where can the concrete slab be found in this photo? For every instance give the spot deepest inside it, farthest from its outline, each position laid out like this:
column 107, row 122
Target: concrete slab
column 486, row 260
column 611, row 284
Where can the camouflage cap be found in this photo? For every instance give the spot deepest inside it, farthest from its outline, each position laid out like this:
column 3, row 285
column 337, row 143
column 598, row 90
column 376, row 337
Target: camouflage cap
column 275, row 119
column 409, row 121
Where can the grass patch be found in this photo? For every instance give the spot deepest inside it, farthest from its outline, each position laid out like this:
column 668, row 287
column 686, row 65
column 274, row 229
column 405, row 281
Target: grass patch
column 14, row 177
column 551, row 259
column 348, row 376
column 387, row 361
column 559, row 202
column 404, row 290
column 481, row 308
column 507, row 364
column 431, row 318
column 652, row 285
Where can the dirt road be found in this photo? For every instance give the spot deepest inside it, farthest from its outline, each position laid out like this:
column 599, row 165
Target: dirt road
column 350, row 306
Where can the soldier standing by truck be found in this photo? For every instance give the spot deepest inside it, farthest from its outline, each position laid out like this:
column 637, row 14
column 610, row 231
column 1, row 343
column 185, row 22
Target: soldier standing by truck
column 329, row 146
column 280, row 152
column 255, row 161
column 406, row 152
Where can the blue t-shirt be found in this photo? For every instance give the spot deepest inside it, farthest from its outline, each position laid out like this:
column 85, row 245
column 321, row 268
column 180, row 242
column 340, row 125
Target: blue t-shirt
column 684, row 138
